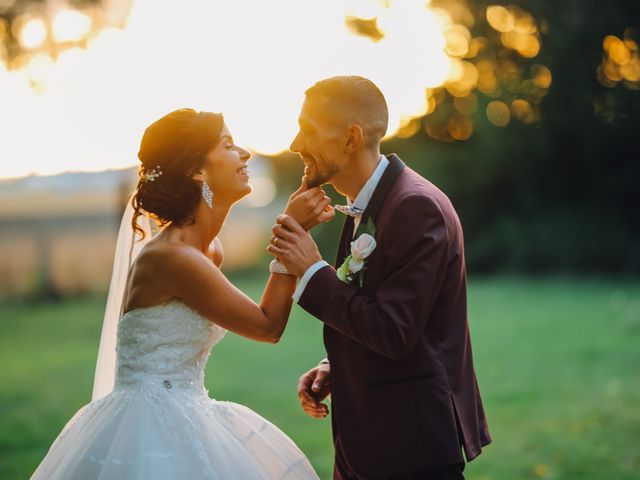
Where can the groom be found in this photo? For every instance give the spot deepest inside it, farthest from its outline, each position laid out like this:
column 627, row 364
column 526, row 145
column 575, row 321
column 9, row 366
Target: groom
column 400, row 372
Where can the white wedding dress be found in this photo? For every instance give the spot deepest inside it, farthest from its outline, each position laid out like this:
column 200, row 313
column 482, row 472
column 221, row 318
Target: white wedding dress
column 159, row 422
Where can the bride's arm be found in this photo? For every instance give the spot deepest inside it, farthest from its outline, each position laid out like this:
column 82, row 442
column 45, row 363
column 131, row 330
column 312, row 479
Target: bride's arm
column 192, row 277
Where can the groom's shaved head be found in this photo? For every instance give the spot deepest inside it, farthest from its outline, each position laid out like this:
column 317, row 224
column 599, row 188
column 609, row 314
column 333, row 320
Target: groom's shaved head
column 354, row 100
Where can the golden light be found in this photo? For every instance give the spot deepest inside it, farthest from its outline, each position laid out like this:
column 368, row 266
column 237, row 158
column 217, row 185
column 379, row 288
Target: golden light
column 541, row 76
column 523, row 111
column 460, row 127
column 252, row 61
column 498, row 113
column 40, row 70
column 487, row 80
column 467, row 105
column 408, row 128
column 71, row 26
column 31, row 32
column 431, row 103
column 631, row 71
column 621, row 62
column 457, row 40
column 476, row 45
column 525, row 23
column 4, row 30
column 466, row 79
column 500, row 18
column 526, row 45
column 88, row 109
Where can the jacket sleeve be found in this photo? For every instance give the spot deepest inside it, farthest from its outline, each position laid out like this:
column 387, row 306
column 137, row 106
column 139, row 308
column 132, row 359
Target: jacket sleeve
column 415, row 249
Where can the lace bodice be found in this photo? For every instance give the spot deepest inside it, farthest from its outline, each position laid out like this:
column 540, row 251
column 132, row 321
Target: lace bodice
column 166, row 344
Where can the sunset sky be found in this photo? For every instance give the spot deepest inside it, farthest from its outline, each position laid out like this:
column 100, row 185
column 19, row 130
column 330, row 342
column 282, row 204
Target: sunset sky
column 250, row 60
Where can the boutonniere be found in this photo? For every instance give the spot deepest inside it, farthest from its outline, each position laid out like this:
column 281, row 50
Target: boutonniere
column 361, row 249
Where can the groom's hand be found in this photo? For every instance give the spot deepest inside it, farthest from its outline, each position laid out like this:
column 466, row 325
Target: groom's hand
column 313, row 387
column 293, row 246
column 309, row 206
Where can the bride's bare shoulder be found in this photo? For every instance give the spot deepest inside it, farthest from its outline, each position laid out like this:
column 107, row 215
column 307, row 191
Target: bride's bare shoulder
column 168, row 255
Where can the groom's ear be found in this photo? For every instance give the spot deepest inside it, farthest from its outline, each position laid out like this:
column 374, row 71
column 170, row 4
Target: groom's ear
column 354, row 138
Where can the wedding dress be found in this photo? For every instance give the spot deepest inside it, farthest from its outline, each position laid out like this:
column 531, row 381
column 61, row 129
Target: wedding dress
column 158, row 422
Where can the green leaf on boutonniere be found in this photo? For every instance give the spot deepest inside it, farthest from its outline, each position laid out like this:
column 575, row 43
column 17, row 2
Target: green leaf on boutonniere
column 343, row 271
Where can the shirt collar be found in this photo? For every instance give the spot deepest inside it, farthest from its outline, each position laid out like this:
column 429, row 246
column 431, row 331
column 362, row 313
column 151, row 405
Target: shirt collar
column 364, row 196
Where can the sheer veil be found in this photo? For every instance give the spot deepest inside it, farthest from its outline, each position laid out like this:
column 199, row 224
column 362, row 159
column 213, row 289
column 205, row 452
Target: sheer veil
column 127, row 249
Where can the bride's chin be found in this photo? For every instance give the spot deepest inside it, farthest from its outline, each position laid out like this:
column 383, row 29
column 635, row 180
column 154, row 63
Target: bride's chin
column 246, row 190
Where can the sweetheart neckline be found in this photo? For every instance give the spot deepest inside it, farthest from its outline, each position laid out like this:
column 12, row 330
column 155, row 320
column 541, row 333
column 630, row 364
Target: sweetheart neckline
column 164, row 304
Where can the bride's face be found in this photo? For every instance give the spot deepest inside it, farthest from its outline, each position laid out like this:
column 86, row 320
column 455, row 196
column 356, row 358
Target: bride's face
column 226, row 170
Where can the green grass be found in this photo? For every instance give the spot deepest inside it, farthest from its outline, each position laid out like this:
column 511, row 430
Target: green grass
column 558, row 362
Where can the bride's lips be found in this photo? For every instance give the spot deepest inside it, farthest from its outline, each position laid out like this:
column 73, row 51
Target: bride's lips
column 243, row 171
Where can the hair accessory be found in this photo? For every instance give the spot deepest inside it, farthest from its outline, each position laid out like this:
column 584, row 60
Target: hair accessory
column 207, row 194
column 150, row 175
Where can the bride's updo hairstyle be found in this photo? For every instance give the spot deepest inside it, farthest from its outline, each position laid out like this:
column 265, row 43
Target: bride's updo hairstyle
column 171, row 151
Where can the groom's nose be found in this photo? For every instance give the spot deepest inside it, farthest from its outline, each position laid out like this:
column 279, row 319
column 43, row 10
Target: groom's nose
column 295, row 145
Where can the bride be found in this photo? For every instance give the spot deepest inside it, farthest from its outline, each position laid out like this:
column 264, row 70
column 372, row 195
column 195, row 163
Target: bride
column 151, row 417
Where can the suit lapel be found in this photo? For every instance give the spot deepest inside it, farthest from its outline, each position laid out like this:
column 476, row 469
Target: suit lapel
column 389, row 177
column 383, row 188
column 345, row 240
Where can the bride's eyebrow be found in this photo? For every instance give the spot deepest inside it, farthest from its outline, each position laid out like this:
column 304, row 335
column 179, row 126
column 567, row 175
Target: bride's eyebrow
column 226, row 137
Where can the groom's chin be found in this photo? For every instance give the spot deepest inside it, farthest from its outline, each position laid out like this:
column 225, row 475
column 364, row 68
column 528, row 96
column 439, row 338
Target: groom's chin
column 313, row 182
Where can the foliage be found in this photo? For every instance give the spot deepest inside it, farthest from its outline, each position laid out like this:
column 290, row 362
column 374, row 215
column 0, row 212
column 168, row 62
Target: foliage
column 557, row 195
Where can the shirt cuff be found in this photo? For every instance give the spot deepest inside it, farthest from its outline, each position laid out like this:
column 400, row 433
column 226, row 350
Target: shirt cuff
column 302, row 284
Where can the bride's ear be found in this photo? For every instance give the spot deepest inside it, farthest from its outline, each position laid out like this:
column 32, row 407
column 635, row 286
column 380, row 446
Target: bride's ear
column 199, row 176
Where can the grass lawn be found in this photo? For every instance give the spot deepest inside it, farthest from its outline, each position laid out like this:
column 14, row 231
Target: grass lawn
column 558, row 362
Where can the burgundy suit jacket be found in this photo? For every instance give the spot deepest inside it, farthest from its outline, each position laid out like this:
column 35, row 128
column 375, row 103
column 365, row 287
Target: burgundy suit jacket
column 404, row 391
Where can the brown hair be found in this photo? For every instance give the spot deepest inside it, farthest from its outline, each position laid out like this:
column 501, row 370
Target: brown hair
column 358, row 100
column 172, row 149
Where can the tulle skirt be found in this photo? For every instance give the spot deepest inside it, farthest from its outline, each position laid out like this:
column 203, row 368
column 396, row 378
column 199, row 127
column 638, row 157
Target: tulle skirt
column 156, row 433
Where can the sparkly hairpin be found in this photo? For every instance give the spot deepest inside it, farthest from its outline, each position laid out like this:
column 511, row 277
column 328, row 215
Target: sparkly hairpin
column 152, row 174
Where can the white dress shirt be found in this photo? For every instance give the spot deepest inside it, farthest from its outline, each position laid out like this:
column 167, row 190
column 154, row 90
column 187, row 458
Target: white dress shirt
column 361, row 202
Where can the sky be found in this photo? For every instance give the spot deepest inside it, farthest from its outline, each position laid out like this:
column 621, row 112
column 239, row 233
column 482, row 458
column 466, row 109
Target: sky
column 251, row 60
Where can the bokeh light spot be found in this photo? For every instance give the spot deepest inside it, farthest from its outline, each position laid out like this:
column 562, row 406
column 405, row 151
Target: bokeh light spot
column 498, row 113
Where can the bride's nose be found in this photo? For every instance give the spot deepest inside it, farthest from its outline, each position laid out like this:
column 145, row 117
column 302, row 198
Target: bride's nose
column 245, row 155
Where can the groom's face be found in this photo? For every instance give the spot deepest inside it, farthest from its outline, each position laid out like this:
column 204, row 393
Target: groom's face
column 320, row 142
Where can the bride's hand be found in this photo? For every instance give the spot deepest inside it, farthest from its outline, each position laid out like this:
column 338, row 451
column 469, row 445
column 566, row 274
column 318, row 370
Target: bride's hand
column 313, row 387
column 293, row 246
column 309, row 206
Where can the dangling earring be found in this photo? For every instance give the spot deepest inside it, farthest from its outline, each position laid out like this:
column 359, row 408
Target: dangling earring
column 207, row 194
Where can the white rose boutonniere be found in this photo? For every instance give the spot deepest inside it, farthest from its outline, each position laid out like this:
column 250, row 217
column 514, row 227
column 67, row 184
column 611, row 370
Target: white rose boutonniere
column 361, row 249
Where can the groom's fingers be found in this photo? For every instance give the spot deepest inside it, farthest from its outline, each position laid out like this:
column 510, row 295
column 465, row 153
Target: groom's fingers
column 312, row 195
column 318, row 412
column 304, row 186
column 321, row 377
column 281, row 232
column 289, row 223
column 304, row 391
column 322, row 204
column 310, row 405
column 329, row 213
